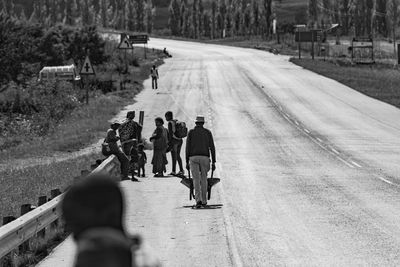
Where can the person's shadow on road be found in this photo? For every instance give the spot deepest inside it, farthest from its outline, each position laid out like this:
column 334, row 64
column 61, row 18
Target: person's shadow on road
column 207, row 207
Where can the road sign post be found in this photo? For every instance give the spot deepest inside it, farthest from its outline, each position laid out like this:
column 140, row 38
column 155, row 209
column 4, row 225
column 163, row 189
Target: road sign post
column 140, row 39
column 87, row 70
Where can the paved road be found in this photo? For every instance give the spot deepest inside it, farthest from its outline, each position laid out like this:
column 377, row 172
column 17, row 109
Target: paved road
column 309, row 167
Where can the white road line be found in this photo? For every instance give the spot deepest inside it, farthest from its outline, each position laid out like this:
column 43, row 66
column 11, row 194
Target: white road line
column 297, row 123
column 386, row 181
column 280, row 108
column 320, row 140
column 355, row 163
column 335, row 151
column 230, row 232
column 307, row 131
column 345, row 162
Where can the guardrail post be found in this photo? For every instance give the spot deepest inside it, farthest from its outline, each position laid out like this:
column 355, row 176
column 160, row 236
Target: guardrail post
column 42, row 200
column 25, row 208
column 84, row 173
column 53, row 194
column 8, row 219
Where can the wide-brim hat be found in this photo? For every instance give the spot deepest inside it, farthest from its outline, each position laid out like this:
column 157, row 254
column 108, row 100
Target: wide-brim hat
column 200, row 119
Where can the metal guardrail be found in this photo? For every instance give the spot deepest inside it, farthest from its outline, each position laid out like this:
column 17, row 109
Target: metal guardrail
column 27, row 226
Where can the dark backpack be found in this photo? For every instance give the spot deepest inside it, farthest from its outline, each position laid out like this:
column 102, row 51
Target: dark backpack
column 181, row 130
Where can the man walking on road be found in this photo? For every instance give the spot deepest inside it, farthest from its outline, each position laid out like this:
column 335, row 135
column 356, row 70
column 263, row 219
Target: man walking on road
column 154, row 77
column 199, row 145
column 174, row 144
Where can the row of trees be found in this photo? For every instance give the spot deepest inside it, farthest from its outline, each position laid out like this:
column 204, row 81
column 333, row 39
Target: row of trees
column 133, row 15
column 223, row 18
column 357, row 17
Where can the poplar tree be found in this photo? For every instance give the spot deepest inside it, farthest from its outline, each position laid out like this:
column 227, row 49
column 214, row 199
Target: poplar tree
column 104, row 13
column 139, row 7
column 394, row 19
column 313, row 12
column 381, row 15
column 149, row 16
column 131, row 16
column 213, row 19
column 175, row 17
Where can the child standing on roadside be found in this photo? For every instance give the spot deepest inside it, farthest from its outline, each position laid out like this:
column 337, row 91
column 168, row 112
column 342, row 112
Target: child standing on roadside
column 142, row 160
column 134, row 161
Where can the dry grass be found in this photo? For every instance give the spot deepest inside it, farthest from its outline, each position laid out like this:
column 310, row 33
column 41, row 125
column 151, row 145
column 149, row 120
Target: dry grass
column 26, row 185
column 379, row 81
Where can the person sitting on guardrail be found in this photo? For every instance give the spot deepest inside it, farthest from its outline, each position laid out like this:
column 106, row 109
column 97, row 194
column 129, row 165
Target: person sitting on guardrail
column 128, row 131
column 199, row 145
column 160, row 145
column 93, row 210
column 111, row 140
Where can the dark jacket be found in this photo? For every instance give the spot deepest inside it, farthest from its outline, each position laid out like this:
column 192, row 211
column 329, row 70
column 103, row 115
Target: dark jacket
column 160, row 138
column 200, row 142
column 112, row 140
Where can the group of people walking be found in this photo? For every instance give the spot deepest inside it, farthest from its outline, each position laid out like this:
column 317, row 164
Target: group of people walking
column 200, row 150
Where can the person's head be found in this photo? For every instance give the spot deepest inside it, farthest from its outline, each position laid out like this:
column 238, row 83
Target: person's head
column 199, row 121
column 115, row 125
column 159, row 121
column 169, row 115
column 140, row 147
column 134, row 143
column 130, row 115
column 103, row 247
column 96, row 201
column 154, row 66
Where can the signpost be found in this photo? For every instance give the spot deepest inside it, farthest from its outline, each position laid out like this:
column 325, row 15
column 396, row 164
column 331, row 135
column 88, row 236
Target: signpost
column 86, row 70
column 125, row 44
column 140, row 39
column 307, row 37
column 365, row 49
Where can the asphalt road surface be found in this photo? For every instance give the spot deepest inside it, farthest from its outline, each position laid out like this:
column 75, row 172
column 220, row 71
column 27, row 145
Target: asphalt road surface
column 309, row 167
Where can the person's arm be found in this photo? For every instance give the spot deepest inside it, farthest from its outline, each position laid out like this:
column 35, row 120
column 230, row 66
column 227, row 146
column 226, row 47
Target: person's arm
column 170, row 132
column 188, row 144
column 157, row 134
column 144, row 157
column 112, row 136
column 212, row 148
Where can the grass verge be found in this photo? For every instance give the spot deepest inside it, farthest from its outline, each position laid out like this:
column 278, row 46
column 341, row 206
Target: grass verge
column 379, row 81
column 25, row 185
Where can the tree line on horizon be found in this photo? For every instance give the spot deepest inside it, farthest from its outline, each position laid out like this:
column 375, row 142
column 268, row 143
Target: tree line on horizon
column 225, row 18
column 131, row 15
column 356, row 17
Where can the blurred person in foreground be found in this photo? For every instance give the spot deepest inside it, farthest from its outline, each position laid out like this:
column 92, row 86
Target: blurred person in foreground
column 93, row 210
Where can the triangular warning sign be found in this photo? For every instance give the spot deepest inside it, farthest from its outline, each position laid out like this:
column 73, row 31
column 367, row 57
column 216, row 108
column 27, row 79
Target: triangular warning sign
column 125, row 44
column 87, row 68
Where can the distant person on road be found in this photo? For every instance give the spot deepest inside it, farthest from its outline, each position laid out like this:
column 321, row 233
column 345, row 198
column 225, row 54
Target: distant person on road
column 199, row 146
column 160, row 145
column 174, row 144
column 111, row 140
column 154, row 77
column 93, row 210
column 142, row 160
column 128, row 131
